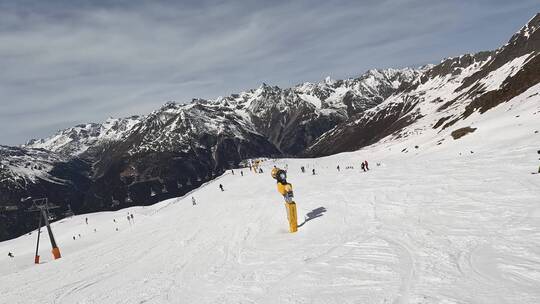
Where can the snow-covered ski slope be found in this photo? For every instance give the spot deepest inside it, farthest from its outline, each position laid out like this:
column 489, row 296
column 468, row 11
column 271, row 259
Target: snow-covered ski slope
column 457, row 222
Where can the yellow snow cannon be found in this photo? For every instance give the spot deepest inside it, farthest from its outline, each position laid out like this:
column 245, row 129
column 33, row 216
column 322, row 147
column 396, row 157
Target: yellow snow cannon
column 285, row 189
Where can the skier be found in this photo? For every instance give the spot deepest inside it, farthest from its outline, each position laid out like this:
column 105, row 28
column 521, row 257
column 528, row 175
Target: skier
column 338, row 168
column 129, row 219
column 193, row 201
column 363, row 167
column 132, row 218
column 242, row 173
column 221, row 187
column 303, row 169
column 313, row 172
column 74, row 238
column 366, row 165
column 232, row 172
column 86, row 221
column 10, row 255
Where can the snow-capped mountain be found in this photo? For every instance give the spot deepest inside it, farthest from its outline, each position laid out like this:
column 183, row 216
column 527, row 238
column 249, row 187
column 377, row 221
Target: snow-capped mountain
column 444, row 95
column 290, row 118
column 293, row 118
column 76, row 140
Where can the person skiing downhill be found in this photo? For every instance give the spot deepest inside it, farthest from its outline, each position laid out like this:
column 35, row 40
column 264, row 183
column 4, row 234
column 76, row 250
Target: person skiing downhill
column 538, row 166
column 10, row 255
column 221, row 187
column 193, row 201
column 338, row 168
column 363, row 167
column 366, row 165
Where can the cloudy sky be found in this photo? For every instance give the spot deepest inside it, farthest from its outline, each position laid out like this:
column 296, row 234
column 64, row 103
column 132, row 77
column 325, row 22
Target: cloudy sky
column 68, row 62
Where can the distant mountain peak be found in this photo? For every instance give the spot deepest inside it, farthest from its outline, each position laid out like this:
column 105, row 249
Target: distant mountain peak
column 531, row 27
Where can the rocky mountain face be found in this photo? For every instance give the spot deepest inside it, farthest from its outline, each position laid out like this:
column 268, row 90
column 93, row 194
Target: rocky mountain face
column 293, row 118
column 444, row 94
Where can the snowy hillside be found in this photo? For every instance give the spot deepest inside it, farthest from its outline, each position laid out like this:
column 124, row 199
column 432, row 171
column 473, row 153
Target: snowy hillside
column 457, row 222
column 446, row 94
column 23, row 166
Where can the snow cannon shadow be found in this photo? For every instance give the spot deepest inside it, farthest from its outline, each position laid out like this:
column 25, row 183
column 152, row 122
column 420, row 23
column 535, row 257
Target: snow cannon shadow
column 313, row 214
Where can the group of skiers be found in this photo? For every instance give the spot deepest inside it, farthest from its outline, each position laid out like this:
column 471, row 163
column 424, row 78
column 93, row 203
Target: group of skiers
column 364, row 166
column 130, row 218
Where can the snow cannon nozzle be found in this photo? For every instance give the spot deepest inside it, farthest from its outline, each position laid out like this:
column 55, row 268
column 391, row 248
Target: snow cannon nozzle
column 280, row 175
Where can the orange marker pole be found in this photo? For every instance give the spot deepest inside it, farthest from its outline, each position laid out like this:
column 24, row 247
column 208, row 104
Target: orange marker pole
column 55, row 249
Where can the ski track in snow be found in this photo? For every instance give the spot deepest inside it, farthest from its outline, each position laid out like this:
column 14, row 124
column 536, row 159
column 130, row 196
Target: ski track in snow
column 436, row 225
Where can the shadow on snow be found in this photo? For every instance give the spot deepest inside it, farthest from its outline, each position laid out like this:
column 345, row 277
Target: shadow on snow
column 313, row 214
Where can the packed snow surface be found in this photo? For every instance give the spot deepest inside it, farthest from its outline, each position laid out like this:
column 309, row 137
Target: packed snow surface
column 457, row 222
